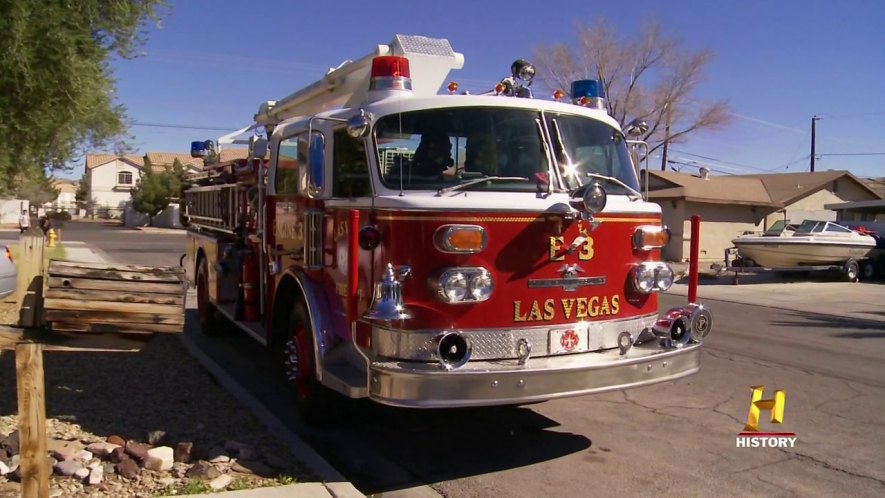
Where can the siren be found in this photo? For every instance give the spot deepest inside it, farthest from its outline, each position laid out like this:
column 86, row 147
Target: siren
column 390, row 72
column 589, row 93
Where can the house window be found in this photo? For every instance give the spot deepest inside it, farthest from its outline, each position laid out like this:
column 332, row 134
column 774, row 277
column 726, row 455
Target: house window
column 124, row 178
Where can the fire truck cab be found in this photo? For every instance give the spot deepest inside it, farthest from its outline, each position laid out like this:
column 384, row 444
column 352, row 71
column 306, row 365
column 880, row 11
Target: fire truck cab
column 428, row 250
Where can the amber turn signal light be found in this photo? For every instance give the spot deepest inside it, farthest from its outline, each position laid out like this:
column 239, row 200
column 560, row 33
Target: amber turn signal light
column 460, row 238
column 649, row 237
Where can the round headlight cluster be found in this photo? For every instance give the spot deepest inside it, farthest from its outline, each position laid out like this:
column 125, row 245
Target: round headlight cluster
column 595, row 198
column 652, row 276
column 465, row 285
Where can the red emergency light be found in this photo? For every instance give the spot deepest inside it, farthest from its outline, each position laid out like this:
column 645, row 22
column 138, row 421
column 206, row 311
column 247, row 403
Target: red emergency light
column 390, row 72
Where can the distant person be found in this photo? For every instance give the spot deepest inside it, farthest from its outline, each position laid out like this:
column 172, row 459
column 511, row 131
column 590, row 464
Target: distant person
column 44, row 224
column 24, row 221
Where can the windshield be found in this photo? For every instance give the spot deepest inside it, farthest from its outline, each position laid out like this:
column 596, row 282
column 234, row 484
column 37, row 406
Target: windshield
column 584, row 145
column 439, row 148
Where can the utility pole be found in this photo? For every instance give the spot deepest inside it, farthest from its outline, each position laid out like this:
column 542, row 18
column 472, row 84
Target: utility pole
column 666, row 140
column 814, row 120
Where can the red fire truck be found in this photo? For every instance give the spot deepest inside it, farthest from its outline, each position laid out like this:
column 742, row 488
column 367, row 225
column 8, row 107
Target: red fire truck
column 438, row 250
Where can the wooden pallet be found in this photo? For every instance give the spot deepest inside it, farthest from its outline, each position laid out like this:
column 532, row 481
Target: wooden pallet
column 131, row 299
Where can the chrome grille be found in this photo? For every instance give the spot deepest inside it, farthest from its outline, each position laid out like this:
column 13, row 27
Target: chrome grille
column 313, row 239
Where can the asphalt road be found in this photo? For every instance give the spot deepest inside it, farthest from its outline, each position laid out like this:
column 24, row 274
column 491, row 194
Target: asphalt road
column 672, row 439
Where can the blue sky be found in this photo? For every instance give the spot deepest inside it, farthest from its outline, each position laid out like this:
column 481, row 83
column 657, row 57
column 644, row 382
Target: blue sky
column 777, row 63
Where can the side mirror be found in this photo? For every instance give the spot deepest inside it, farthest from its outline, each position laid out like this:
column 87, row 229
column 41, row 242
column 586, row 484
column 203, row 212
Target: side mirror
column 637, row 128
column 257, row 148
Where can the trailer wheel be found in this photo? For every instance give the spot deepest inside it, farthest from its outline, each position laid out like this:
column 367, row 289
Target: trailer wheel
column 206, row 312
column 851, row 270
column 313, row 400
column 868, row 270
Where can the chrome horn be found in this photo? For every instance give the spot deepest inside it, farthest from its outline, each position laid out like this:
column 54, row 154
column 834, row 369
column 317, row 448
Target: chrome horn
column 387, row 304
column 680, row 326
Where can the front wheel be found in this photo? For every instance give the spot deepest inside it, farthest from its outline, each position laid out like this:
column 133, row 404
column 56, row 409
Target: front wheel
column 208, row 316
column 315, row 402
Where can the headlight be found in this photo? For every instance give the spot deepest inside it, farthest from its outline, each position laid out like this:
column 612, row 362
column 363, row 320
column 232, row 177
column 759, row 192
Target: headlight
column 664, row 277
column 481, row 286
column 454, row 286
column 464, row 285
column 652, row 276
column 595, row 198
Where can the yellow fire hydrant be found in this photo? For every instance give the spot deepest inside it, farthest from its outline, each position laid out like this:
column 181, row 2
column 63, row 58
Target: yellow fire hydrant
column 51, row 238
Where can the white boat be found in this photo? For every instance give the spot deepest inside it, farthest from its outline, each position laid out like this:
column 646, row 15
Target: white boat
column 811, row 243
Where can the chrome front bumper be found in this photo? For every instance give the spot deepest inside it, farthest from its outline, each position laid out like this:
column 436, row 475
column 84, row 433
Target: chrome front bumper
column 479, row 383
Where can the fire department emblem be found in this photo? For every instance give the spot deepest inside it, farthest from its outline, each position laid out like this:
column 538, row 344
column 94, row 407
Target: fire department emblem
column 569, row 340
column 570, row 271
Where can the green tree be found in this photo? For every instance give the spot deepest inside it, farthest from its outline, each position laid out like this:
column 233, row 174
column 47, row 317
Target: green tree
column 151, row 193
column 56, row 86
column 651, row 76
column 82, row 194
column 35, row 187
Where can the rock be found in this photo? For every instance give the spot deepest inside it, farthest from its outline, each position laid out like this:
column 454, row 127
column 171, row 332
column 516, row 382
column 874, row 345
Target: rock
column 203, row 470
column 253, row 467
column 179, row 470
column 14, row 461
column 4, row 469
column 156, row 438
column 102, row 450
column 13, row 488
column 82, row 473
column 128, row 469
column 184, row 452
column 118, row 455
column 108, row 469
column 220, row 482
column 116, row 440
column 10, row 443
column 55, row 492
column 3, row 453
column 67, row 467
column 83, row 456
column 217, row 455
column 159, row 458
column 64, row 450
column 95, row 476
column 136, row 451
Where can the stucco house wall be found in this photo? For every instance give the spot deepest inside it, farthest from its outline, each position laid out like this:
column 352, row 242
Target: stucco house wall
column 109, row 186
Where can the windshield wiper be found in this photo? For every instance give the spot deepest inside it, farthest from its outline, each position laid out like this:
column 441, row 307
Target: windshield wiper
column 476, row 181
column 635, row 194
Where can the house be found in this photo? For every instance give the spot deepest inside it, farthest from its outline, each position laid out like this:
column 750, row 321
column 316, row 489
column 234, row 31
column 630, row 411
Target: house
column 734, row 204
column 111, row 177
column 66, row 200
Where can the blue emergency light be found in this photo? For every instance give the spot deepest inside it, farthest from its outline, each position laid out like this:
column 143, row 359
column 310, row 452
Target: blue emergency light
column 587, row 88
column 589, row 93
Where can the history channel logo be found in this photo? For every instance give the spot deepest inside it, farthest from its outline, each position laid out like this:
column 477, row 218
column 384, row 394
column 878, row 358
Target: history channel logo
column 751, row 437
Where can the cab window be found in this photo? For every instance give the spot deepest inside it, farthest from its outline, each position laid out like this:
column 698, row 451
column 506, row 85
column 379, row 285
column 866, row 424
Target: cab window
column 350, row 167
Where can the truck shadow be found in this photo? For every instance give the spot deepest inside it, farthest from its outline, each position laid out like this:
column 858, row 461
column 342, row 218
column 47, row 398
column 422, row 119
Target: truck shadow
column 383, row 449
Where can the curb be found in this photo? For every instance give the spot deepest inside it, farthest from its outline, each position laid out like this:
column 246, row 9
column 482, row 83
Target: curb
column 333, row 481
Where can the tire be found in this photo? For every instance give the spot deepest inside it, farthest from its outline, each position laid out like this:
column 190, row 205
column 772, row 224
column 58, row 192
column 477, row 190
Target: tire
column 868, row 271
column 851, row 270
column 317, row 404
column 206, row 313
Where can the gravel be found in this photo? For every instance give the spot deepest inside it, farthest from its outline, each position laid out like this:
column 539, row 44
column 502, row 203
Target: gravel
column 138, row 397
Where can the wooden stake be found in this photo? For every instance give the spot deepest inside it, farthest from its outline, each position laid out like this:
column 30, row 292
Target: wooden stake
column 29, row 294
column 32, row 420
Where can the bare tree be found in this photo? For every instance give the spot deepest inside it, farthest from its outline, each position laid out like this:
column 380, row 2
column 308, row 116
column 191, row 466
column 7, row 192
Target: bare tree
column 651, row 77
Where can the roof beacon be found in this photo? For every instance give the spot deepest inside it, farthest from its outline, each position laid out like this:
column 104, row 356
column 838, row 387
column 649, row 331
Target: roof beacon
column 390, row 72
column 589, row 93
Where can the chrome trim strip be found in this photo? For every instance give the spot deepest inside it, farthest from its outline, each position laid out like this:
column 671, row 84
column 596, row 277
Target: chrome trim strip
column 313, row 238
column 499, row 343
column 481, row 383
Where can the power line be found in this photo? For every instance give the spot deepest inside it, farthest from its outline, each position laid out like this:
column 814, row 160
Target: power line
column 181, row 126
column 855, row 154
